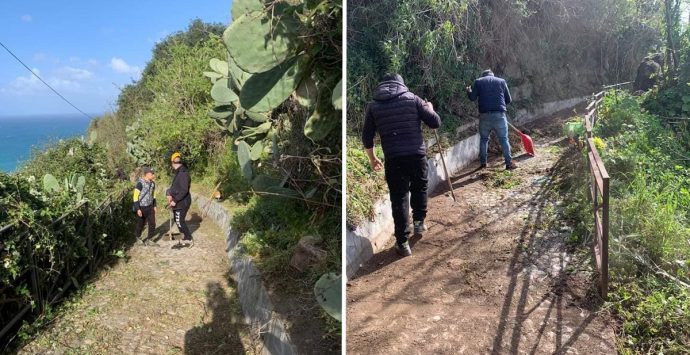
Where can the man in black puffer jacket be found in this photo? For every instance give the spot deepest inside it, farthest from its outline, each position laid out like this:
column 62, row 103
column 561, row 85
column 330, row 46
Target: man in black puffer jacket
column 178, row 196
column 396, row 115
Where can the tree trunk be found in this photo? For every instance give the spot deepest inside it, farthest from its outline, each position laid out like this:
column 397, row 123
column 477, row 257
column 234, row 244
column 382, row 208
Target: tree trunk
column 671, row 54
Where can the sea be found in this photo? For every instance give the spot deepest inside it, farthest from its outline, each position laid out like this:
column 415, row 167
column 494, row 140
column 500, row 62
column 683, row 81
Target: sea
column 21, row 135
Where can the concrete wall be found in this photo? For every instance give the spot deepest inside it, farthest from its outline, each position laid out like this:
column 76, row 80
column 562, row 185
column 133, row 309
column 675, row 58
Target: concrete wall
column 256, row 306
column 369, row 238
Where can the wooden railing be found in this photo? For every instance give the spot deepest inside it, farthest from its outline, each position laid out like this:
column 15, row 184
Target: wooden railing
column 599, row 191
column 98, row 228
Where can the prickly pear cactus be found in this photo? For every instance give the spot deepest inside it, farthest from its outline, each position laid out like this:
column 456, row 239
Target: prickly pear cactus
column 327, row 292
column 79, row 187
column 259, row 42
column 50, row 183
column 274, row 56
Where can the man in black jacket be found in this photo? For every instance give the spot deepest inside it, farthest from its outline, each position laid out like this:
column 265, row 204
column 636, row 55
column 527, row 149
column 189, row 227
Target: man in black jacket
column 493, row 95
column 179, row 197
column 396, row 115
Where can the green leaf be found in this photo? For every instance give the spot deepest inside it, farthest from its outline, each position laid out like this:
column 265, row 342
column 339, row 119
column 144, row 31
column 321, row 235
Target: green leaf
column 257, row 148
column 244, row 157
column 221, row 112
column 237, row 76
column 219, row 66
column 241, row 7
column 307, row 93
column 50, row 183
column 222, row 93
column 328, row 293
column 337, row 97
column 256, row 116
column 258, row 44
column 318, row 126
column 266, row 91
column 213, row 75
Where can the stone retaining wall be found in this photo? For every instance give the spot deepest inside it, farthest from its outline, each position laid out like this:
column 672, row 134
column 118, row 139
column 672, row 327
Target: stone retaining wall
column 256, row 305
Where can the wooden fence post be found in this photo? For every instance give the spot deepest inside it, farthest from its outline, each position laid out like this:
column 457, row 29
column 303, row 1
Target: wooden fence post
column 89, row 237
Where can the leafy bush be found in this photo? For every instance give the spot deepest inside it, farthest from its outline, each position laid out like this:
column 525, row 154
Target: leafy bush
column 649, row 224
column 69, row 157
column 46, row 235
column 271, row 227
column 176, row 119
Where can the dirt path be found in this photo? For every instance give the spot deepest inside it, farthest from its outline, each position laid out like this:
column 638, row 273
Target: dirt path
column 158, row 300
column 493, row 274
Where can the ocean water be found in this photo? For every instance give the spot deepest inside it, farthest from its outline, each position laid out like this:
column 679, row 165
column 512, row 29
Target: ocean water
column 20, row 135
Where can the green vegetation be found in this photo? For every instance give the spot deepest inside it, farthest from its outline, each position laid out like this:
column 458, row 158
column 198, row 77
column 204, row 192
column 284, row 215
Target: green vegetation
column 58, row 207
column 365, row 186
column 503, row 179
column 547, row 51
column 649, row 233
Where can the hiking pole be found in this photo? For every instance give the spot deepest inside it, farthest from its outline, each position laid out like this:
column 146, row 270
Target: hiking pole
column 170, row 223
column 445, row 168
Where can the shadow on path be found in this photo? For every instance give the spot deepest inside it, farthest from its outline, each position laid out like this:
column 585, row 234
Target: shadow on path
column 220, row 335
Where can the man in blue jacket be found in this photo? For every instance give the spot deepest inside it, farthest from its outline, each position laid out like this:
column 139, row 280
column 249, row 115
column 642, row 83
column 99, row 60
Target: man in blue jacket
column 396, row 115
column 493, row 95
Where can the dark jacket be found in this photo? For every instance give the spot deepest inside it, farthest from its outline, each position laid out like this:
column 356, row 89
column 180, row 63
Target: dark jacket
column 396, row 115
column 179, row 190
column 492, row 92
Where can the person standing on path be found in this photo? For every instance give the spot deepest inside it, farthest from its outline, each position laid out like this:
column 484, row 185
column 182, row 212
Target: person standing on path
column 396, row 115
column 493, row 95
column 145, row 204
column 179, row 198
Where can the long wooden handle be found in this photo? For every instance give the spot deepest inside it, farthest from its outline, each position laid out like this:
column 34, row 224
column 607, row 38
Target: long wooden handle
column 445, row 168
column 210, row 199
column 513, row 127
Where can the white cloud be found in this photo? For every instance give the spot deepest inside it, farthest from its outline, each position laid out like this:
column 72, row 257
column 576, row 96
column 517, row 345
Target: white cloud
column 120, row 66
column 72, row 73
column 27, row 18
column 62, row 79
column 24, row 85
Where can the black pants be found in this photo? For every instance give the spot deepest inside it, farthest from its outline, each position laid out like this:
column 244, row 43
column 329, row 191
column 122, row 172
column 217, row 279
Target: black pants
column 180, row 216
column 147, row 216
column 406, row 175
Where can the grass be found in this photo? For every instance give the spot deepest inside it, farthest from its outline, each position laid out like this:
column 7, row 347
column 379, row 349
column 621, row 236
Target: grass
column 364, row 185
column 649, row 242
column 503, row 179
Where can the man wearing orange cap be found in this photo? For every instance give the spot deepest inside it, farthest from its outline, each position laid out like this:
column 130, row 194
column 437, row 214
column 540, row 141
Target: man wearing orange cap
column 179, row 197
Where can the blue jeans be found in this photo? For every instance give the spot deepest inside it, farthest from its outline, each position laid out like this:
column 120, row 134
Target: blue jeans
column 497, row 122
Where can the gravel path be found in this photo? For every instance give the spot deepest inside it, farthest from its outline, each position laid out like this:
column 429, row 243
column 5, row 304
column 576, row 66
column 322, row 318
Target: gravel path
column 158, row 300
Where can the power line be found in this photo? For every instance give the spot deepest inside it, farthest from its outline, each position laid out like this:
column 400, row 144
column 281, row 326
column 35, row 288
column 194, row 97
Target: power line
column 43, row 81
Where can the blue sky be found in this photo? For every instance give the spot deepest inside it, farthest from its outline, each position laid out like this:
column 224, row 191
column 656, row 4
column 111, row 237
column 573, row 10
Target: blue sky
column 85, row 49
